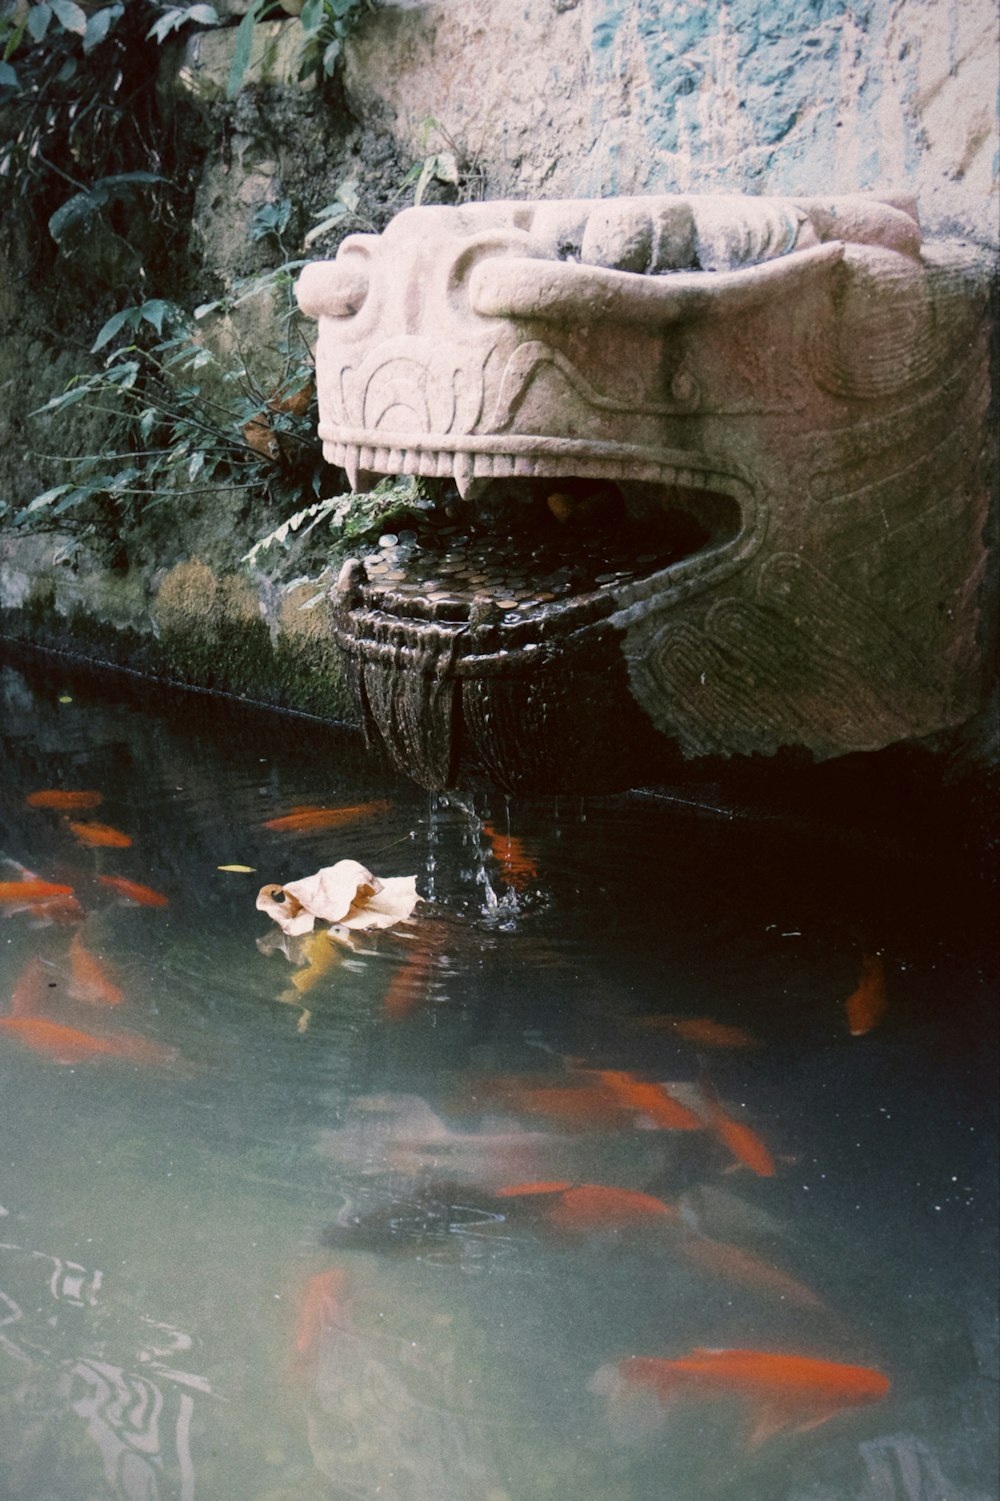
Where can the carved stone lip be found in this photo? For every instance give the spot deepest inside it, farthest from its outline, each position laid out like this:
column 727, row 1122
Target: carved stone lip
column 474, row 462
column 475, row 636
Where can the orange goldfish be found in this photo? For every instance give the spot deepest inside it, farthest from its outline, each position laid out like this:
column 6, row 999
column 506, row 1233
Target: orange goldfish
column 782, row 1392
column 45, row 900
column 320, row 1308
column 865, row 1007
column 64, row 802
column 732, row 1264
column 320, row 953
column 592, row 1206
column 32, row 989
column 650, row 1100
column 59, row 909
column 588, row 1206
column 516, row 865
column 741, row 1139
column 579, row 1107
column 306, row 817
column 99, row 835
column 134, row 891
column 409, row 985
column 30, row 892
column 703, row 1032
column 68, row 1045
column 528, row 1190
column 90, row 981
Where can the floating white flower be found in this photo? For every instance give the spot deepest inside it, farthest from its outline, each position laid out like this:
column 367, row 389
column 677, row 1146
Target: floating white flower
column 346, row 895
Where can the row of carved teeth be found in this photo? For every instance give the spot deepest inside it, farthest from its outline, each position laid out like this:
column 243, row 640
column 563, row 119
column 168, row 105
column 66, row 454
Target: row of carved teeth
column 472, row 472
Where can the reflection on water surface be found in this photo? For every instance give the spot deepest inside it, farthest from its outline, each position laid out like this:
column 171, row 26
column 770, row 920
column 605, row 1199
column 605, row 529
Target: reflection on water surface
column 654, row 1160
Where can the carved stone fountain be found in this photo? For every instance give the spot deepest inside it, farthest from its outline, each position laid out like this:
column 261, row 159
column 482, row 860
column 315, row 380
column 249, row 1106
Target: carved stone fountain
column 703, row 476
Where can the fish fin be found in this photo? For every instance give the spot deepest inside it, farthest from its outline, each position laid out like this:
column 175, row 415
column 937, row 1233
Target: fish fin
column 632, row 1412
column 524, row 1190
column 770, row 1421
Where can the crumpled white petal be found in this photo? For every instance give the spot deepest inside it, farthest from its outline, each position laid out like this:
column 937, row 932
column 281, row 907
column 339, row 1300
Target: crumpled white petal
column 345, row 894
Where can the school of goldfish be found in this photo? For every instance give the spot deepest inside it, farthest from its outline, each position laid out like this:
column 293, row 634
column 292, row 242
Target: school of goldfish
column 770, row 1392
column 778, row 1392
column 52, row 995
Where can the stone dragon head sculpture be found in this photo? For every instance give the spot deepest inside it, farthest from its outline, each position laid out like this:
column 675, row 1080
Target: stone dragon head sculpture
column 703, row 474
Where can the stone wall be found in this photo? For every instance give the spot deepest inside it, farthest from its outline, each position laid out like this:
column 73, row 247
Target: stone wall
column 604, row 97
column 538, row 98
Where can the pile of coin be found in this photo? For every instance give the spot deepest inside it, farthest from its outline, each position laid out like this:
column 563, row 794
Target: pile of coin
column 439, row 567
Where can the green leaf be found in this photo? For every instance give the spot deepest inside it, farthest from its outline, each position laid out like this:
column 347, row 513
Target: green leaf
column 175, row 16
column 14, row 38
column 336, row 213
column 81, row 207
column 119, row 182
column 76, row 495
column 117, row 321
column 39, row 17
column 8, row 78
column 348, row 195
column 64, row 399
column 271, row 219
column 423, row 180
column 70, row 16
column 166, row 22
column 311, row 15
column 123, row 480
column 47, row 498
column 446, row 167
column 99, row 24
column 126, row 375
column 76, row 210
column 243, row 49
column 154, row 311
column 428, row 126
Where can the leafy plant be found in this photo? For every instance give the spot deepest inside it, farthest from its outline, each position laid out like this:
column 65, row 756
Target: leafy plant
column 173, row 17
column 325, row 24
column 449, row 165
column 271, row 220
column 180, row 423
column 83, row 132
column 354, row 522
column 78, row 212
column 332, row 215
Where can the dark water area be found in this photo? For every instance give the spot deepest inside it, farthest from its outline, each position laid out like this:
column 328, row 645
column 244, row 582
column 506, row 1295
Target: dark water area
column 257, row 1239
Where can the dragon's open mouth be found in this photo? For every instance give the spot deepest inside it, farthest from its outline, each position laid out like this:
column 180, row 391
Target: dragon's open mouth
column 572, row 544
column 471, row 612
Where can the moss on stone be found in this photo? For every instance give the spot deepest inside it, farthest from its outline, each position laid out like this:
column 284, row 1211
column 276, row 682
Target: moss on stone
column 210, row 634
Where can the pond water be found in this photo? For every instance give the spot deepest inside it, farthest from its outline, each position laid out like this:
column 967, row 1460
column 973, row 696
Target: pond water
column 255, row 1243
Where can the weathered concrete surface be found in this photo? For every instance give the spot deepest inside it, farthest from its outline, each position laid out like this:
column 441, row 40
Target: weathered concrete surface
column 209, row 627
column 630, row 96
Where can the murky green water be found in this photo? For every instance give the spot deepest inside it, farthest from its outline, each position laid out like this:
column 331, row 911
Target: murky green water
column 254, row 1250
